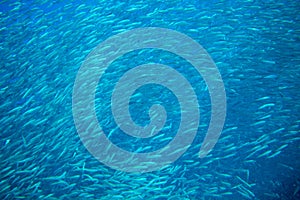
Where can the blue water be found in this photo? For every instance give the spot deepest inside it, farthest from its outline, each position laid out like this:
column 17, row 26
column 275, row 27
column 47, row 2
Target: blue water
column 256, row 48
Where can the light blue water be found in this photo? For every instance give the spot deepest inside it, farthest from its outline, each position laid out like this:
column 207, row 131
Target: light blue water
column 255, row 45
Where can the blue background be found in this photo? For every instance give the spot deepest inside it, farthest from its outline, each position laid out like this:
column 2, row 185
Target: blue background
column 255, row 45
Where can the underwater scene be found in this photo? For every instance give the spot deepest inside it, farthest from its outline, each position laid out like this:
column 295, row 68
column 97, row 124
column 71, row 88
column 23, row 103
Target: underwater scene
column 141, row 99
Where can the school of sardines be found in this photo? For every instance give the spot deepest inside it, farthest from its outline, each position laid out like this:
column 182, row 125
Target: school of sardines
column 255, row 45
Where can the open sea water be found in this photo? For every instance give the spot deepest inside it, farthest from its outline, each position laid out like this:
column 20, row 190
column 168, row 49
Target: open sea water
column 255, row 45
